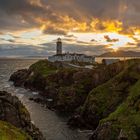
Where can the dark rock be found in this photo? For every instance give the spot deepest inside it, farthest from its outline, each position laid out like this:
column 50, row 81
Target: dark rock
column 19, row 77
column 122, row 135
column 14, row 112
column 68, row 88
column 103, row 132
column 38, row 100
column 31, row 99
column 76, row 122
column 96, row 92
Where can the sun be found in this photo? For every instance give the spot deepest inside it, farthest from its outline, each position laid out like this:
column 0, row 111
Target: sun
column 116, row 46
column 115, row 49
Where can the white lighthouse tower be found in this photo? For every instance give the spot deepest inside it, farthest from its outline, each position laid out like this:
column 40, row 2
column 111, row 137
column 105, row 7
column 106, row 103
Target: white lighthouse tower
column 68, row 57
column 59, row 46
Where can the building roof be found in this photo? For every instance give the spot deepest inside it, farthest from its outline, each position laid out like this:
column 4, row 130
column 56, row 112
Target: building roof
column 110, row 61
column 72, row 54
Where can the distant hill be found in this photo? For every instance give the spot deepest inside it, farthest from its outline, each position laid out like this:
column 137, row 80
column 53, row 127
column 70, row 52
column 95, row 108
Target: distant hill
column 121, row 54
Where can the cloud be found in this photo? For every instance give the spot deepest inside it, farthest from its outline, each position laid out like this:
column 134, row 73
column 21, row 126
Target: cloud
column 108, row 39
column 48, row 49
column 93, row 40
column 70, row 36
column 22, row 50
column 54, row 30
column 70, row 15
column 78, row 48
column 70, row 40
column 131, row 44
column 10, row 40
column 135, row 39
column 84, row 49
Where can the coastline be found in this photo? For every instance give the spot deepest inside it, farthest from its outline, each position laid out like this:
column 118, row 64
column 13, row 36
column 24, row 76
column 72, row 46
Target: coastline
column 70, row 97
column 14, row 115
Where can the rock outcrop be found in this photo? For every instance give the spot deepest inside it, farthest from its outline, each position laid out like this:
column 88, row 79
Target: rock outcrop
column 67, row 87
column 106, row 99
column 19, row 77
column 117, row 103
column 15, row 115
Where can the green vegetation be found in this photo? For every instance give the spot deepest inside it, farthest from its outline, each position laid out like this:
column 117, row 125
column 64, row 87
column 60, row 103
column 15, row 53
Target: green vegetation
column 71, row 96
column 52, row 76
column 22, row 109
column 111, row 93
column 107, row 95
column 117, row 102
column 9, row 132
column 127, row 115
column 81, row 63
column 43, row 67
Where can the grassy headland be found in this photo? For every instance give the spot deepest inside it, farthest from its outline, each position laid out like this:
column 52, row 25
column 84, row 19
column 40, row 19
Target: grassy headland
column 105, row 99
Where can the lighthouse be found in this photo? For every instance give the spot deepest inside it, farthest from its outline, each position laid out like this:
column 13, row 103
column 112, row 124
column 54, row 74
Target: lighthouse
column 59, row 46
column 68, row 57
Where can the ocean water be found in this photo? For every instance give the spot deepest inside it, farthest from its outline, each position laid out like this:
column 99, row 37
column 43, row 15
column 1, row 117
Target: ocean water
column 52, row 125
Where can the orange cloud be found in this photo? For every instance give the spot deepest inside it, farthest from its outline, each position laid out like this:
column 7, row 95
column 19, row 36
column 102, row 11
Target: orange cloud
column 69, row 16
column 108, row 39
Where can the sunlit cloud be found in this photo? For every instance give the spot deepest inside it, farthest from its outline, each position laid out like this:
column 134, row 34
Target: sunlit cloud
column 105, row 24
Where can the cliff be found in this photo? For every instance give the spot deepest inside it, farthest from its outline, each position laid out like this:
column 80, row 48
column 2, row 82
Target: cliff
column 105, row 99
column 15, row 122
column 67, row 87
column 119, row 102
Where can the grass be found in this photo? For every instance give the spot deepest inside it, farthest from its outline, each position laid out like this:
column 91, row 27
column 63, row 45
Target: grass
column 9, row 132
column 116, row 101
column 114, row 90
column 126, row 116
column 23, row 110
column 44, row 68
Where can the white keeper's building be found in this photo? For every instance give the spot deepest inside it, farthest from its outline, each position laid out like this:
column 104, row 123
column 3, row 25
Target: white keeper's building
column 68, row 57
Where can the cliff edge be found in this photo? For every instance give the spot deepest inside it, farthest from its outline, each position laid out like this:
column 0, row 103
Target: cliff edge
column 105, row 99
column 15, row 122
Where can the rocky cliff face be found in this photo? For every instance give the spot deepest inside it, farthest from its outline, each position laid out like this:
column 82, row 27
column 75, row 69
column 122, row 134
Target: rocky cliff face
column 67, row 87
column 115, row 105
column 105, row 100
column 15, row 117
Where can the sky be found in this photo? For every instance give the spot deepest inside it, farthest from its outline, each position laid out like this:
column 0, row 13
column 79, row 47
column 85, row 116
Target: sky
column 93, row 27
